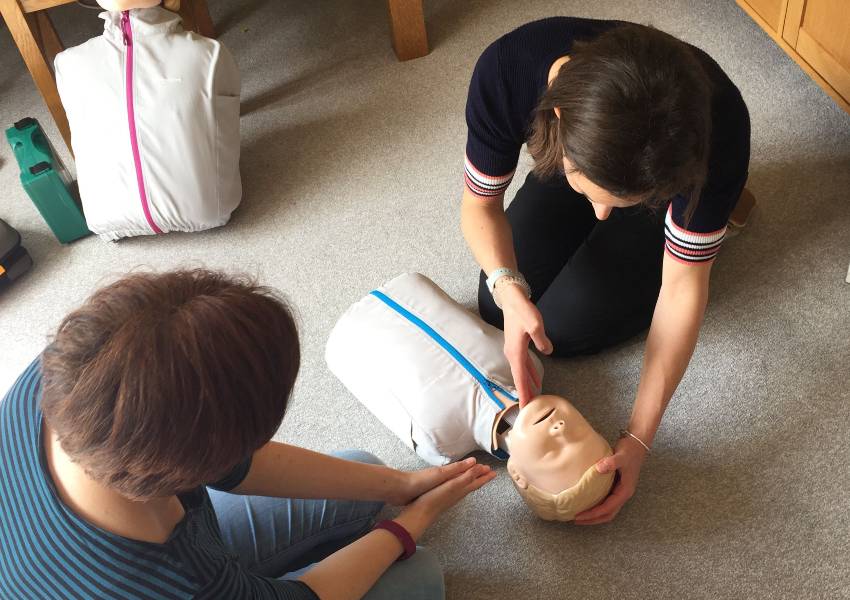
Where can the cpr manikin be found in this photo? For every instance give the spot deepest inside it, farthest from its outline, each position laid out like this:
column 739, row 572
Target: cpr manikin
column 154, row 116
column 553, row 451
column 436, row 376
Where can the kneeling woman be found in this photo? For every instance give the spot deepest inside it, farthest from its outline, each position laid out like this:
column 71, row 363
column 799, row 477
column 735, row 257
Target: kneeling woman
column 637, row 138
column 157, row 387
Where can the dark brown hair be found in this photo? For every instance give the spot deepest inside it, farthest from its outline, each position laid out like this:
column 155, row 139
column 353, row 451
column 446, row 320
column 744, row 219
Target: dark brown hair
column 163, row 382
column 635, row 115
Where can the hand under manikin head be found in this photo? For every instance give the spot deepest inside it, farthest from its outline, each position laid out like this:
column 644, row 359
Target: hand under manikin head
column 553, row 452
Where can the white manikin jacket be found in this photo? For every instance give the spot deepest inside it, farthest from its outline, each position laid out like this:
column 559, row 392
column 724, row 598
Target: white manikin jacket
column 154, row 116
column 430, row 370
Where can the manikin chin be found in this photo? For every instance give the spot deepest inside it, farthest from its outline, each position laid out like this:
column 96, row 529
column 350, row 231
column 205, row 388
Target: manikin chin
column 553, row 452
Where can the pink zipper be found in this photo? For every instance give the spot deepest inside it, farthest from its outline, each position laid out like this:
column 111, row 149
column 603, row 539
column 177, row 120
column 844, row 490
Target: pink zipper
column 131, row 117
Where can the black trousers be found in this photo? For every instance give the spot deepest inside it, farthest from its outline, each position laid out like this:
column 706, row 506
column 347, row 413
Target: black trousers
column 595, row 282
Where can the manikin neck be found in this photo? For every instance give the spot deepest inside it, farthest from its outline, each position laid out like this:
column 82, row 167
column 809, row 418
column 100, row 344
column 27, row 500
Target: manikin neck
column 502, row 425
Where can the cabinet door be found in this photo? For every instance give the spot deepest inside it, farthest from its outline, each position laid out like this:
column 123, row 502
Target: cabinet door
column 771, row 11
column 819, row 30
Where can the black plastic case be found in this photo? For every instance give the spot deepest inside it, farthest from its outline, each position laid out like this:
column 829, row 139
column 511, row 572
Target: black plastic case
column 14, row 259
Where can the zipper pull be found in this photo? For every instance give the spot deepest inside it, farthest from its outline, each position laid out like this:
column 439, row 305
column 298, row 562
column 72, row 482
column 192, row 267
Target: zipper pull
column 125, row 27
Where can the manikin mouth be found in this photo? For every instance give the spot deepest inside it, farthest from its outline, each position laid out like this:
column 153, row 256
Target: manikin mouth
column 545, row 416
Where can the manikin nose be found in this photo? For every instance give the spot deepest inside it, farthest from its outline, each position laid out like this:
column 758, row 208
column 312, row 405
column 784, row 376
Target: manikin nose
column 557, row 425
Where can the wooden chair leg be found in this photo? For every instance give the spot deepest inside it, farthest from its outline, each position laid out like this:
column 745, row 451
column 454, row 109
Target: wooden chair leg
column 410, row 39
column 196, row 16
column 51, row 45
column 27, row 37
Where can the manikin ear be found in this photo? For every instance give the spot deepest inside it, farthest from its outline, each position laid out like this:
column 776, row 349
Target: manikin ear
column 517, row 476
column 557, row 112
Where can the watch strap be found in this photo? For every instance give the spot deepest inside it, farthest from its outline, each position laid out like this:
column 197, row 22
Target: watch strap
column 507, row 280
column 497, row 274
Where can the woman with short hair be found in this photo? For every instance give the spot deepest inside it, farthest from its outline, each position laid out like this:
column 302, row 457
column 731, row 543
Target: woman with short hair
column 157, row 387
column 640, row 143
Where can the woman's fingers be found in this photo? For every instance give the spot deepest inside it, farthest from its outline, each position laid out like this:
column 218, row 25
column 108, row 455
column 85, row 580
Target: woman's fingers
column 456, row 468
column 535, row 376
column 449, row 493
column 472, row 479
column 475, row 478
column 478, row 482
column 472, row 474
column 607, row 510
column 538, row 336
column 521, row 381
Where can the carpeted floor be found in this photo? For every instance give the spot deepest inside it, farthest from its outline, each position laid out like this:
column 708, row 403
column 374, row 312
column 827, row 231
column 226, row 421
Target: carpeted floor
column 352, row 171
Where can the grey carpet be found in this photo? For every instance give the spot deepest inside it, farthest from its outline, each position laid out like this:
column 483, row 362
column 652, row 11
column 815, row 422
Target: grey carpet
column 352, row 169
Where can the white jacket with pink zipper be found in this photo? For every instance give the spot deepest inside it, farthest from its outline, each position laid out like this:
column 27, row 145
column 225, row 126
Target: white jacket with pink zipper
column 154, row 115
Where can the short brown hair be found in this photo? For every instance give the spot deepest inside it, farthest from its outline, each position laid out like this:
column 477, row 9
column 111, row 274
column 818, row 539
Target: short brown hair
column 162, row 382
column 635, row 107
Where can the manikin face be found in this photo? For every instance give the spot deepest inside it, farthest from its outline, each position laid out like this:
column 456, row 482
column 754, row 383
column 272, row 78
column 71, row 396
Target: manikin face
column 552, row 445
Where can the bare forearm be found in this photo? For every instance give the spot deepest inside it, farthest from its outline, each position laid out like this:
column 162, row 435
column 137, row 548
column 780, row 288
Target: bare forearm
column 286, row 471
column 487, row 232
column 350, row 572
column 672, row 338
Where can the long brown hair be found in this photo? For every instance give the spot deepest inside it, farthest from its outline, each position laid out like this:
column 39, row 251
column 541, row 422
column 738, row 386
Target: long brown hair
column 163, row 382
column 635, row 116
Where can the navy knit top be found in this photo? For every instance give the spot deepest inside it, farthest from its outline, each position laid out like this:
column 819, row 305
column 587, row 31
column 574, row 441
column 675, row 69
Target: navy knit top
column 48, row 552
column 511, row 75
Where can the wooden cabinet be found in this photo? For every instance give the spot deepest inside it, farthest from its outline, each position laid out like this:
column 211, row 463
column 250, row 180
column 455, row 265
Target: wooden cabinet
column 771, row 11
column 815, row 33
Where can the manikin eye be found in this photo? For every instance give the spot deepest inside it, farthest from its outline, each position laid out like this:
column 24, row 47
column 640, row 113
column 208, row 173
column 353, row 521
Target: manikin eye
column 544, row 417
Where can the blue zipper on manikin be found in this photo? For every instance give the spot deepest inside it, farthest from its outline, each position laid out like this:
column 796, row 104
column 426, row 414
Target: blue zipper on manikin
column 488, row 386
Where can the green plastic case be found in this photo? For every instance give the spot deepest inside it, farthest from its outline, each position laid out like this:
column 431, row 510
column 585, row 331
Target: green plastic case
column 46, row 180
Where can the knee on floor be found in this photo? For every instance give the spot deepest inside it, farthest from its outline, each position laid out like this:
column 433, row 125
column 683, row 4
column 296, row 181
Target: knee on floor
column 574, row 333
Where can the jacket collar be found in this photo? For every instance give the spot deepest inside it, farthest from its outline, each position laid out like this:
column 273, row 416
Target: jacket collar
column 145, row 21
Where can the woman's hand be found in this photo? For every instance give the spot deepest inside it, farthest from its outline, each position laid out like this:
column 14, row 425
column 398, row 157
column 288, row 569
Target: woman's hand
column 627, row 459
column 523, row 322
column 423, row 511
column 348, row 573
column 415, row 483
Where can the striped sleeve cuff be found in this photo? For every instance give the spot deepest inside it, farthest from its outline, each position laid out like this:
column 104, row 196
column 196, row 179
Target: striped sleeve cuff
column 688, row 246
column 484, row 185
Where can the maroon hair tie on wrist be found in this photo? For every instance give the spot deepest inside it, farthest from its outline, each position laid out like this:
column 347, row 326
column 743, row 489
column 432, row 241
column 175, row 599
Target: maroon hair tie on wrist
column 403, row 536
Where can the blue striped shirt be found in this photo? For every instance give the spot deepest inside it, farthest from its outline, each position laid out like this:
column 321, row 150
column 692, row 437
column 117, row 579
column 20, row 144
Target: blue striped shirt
column 48, row 552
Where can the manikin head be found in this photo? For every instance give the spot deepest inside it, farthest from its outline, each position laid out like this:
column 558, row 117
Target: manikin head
column 113, row 5
column 553, row 452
